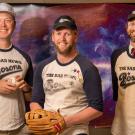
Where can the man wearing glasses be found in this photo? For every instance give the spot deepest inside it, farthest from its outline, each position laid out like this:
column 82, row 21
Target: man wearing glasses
column 16, row 75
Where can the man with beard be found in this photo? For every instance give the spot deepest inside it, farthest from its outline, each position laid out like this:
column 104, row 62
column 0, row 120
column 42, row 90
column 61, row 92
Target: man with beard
column 68, row 82
column 123, row 80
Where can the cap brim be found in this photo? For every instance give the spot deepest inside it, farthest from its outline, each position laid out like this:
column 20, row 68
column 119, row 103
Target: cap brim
column 65, row 25
column 12, row 14
column 131, row 17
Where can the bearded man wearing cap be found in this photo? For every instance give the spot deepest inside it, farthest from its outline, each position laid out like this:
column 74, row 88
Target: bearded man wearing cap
column 16, row 75
column 68, row 83
column 123, row 80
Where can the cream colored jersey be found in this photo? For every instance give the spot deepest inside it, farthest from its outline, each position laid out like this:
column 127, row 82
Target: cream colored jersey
column 69, row 88
column 12, row 107
column 123, row 76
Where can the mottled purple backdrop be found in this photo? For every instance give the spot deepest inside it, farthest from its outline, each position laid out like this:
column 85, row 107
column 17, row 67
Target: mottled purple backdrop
column 101, row 28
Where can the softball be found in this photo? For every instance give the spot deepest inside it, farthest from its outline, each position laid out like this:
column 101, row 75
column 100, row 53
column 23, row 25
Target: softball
column 12, row 80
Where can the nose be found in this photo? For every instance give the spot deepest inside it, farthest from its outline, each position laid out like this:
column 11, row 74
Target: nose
column 63, row 37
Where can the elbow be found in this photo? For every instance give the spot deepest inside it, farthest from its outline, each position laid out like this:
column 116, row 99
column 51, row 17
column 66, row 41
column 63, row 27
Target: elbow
column 96, row 113
column 100, row 113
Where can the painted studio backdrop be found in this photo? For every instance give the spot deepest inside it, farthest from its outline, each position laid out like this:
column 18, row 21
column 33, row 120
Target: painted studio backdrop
column 101, row 30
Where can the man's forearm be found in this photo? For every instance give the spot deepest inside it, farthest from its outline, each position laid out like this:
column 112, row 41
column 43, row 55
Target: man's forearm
column 84, row 116
column 27, row 91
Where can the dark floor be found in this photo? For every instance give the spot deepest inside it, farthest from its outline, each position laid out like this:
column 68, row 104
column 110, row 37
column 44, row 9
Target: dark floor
column 100, row 131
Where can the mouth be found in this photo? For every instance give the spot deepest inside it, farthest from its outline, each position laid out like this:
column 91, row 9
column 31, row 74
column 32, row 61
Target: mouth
column 3, row 30
column 62, row 43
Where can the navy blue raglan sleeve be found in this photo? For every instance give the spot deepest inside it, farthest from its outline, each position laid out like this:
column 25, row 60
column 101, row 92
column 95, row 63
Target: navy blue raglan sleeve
column 114, row 76
column 92, row 87
column 29, row 74
column 38, row 94
column 114, row 58
column 92, row 83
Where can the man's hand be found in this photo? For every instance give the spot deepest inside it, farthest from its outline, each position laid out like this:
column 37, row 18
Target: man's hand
column 7, row 87
column 22, row 85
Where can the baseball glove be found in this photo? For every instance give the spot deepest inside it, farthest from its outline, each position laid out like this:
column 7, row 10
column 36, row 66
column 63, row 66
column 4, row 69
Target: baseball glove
column 42, row 122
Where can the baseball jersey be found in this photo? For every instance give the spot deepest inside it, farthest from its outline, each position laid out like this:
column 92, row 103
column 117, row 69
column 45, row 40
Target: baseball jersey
column 12, row 108
column 69, row 88
column 123, row 79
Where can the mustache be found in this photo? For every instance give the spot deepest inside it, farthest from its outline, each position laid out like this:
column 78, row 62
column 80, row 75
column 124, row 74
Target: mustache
column 130, row 35
column 63, row 42
column 132, row 39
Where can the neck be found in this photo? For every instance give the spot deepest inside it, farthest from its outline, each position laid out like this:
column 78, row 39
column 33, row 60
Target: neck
column 4, row 43
column 66, row 58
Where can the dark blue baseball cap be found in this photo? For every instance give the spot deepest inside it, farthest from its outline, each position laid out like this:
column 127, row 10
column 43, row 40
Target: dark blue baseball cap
column 65, row 22
column 131, row 16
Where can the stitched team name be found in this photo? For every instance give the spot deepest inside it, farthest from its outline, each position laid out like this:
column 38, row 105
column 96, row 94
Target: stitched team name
column 10, row 68
column 126, row 80
column 127, row 68
column 10, row 61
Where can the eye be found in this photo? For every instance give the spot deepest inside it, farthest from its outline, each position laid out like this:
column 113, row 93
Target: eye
column 131, row 23
column 68, row 34
column 58, row 33
column 8, row 21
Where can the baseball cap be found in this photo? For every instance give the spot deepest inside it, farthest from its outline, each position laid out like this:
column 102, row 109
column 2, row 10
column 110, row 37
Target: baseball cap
column 4, row 7
column 65, row 21
column 131, row 16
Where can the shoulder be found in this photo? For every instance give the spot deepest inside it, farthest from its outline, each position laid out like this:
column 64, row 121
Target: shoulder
column 86, row 64
column 116, row 55
column 45, row 62
column 119, row 51
column 84, row 61
column 25, row 55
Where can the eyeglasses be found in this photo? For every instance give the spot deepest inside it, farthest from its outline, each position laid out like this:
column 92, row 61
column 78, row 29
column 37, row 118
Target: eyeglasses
column 6, row 21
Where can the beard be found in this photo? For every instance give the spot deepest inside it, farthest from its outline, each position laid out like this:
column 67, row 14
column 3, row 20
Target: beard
column 66, row 51
column 132, row 39
column 131, row 36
